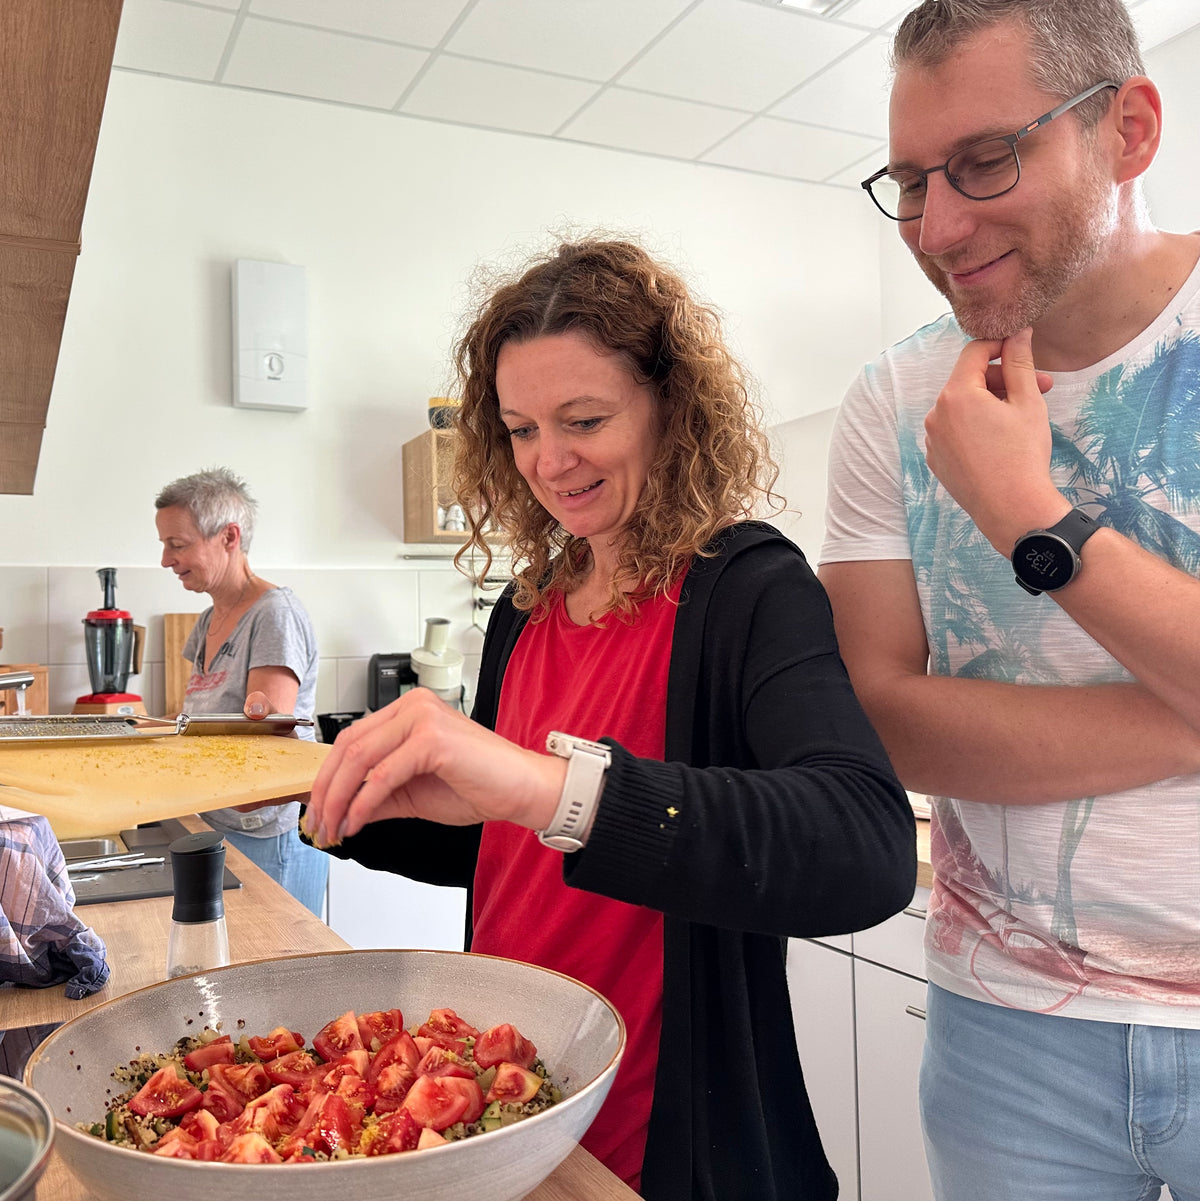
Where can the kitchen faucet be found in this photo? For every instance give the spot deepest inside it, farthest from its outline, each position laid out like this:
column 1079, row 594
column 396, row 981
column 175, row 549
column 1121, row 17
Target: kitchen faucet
column 17, row 681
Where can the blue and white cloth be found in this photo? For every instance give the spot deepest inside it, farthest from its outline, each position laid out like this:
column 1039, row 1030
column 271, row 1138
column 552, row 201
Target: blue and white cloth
column 42, row 942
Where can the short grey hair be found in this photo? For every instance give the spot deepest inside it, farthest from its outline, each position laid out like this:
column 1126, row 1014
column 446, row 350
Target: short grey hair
column 1073, row 43
column 214, row 499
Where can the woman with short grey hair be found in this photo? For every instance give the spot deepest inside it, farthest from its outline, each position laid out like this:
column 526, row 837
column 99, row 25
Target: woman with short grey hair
column 255, row 637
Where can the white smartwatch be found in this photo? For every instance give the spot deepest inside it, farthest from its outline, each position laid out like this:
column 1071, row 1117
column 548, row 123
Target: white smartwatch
column 586, row 764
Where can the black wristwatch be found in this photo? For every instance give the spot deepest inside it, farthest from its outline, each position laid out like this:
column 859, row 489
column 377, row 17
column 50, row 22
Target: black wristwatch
column 1047, row 560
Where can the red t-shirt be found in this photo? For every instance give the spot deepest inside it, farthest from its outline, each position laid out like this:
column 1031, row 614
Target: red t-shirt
column 593, row 681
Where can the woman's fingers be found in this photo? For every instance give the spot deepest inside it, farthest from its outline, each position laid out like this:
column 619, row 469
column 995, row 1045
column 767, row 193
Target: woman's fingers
column 420, row 758
column 372, row 762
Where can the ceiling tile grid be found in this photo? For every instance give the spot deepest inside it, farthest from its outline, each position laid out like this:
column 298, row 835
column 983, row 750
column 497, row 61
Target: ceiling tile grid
column 496, row 97
column 179, row 40
column 592, row 39
column 739, row 54
column 321, row 64
column 417, row 23
column 745, row 84
column 662, row 125
column 787, row 148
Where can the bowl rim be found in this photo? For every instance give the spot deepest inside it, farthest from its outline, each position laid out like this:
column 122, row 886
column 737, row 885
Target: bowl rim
column 532, row 1123
column 45, row 1148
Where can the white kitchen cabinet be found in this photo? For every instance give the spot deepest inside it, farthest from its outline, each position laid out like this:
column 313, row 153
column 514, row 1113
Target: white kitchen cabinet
column 860, row 1040
column 889, row 1012
column 821, row 982
column 379, row 909
column 898, row 943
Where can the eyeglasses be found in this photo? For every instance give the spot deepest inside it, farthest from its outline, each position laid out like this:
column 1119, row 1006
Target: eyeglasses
column 982, row 171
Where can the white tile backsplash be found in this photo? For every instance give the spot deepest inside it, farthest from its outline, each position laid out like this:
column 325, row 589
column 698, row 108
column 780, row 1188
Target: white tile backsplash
column 23, row 614
column 351, row 693
column 67, row 682
column 356, row 613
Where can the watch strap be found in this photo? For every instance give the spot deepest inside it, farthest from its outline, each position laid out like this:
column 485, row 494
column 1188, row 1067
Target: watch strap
column 586, row 764
column 1074, row 529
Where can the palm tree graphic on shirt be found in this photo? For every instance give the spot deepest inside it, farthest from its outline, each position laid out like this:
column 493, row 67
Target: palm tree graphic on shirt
column 1134, row 454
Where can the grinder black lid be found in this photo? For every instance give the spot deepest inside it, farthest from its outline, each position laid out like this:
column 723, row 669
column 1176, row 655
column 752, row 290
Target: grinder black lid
column 198, row 867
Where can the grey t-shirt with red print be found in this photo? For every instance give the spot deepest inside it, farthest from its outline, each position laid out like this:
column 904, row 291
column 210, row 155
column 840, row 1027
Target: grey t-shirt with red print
column 274, row 632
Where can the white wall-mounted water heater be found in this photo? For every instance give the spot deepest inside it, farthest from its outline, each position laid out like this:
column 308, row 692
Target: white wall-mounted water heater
column 270, row 336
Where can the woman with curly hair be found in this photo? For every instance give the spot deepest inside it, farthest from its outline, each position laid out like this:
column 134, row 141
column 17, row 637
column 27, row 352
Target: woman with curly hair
column 712, row 785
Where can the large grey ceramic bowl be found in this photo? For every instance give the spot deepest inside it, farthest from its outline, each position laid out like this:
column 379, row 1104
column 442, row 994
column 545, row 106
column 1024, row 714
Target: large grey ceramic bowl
column 578, row 1034
column 26, row 1137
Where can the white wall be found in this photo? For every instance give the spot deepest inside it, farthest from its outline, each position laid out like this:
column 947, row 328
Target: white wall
column 389, row 215
column 1173, row 183
column 801, row 447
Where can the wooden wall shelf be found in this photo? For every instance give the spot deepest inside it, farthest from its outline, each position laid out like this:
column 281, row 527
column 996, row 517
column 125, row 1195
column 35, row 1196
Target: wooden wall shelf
column 428, row 462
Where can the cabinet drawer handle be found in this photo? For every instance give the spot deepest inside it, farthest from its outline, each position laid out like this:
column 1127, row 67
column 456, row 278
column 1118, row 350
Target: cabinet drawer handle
column 913, row 911
column 914, row 1012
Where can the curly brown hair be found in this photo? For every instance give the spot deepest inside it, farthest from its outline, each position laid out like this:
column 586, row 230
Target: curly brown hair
column 712, row 465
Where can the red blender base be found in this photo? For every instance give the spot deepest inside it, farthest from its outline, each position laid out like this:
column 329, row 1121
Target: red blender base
column 124, row 703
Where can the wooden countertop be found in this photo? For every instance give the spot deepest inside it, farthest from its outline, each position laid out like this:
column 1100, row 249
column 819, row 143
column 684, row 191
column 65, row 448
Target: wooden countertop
column 263, row 921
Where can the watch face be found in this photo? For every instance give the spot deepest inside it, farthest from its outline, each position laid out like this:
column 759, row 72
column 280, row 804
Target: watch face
column 1044, row 561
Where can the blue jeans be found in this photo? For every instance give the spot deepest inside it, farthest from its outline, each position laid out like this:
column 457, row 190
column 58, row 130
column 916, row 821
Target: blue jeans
column 1029, row 1107
column 301, row 869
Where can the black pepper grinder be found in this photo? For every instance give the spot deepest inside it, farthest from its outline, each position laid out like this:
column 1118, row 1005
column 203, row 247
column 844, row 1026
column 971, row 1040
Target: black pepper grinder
column 198, row 939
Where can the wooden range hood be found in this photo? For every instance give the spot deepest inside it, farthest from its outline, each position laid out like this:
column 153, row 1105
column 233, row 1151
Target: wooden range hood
column 55, row 60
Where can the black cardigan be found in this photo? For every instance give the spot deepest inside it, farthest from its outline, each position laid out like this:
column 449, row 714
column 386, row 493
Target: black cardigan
column 775, row 814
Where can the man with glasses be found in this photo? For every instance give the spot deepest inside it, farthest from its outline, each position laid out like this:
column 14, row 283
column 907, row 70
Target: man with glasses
column 1012, row 557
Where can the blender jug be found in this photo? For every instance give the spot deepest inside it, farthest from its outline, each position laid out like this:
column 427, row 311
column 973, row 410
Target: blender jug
column 113, row 644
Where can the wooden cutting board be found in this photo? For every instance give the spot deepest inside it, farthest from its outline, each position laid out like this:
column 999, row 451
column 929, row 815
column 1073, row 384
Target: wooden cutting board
column 86, row 789
column 177, row 627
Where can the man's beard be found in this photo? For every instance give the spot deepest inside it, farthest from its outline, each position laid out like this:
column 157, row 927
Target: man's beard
column 1079, row 236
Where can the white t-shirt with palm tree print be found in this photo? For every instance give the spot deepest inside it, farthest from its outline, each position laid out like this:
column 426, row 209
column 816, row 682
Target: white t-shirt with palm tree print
column 1090, row 907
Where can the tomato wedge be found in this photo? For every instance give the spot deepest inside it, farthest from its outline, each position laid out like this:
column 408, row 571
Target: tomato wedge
column 335, row 1038
column 377, row 1028
column 392, row 1085
column 438, row 1061
column 299, row 1069
column 281, row 1041
column 220, row 1050
column 358, row 1062
column 445, row 1028
column 223, row 1103
column 326, row 1124
column 504, row 1044
column 393, row 1132
column 433, row 1103
column 514, row 1085
column 199, row 1123
column 359, row 1096
column 166, row 1095
column 250, row 1148
column 273, row 1115
column 469, row 1089
column 245, row 1080
column 399, row 1049
column 176, row 1144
